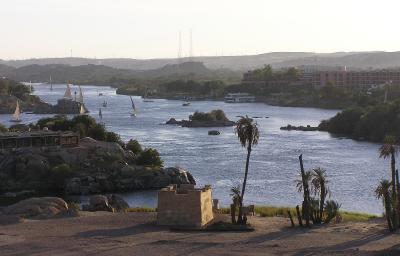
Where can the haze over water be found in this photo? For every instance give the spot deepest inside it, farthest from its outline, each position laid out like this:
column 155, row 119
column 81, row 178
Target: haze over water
column 354, row 168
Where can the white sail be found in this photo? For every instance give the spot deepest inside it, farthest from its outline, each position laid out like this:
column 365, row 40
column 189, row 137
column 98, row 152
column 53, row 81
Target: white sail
column 133, row 105
column 17, row 113
column 82, row 111
column 80, row 99
column 67, row 93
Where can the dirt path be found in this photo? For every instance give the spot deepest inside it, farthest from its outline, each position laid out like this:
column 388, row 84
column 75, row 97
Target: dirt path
column 137, row 234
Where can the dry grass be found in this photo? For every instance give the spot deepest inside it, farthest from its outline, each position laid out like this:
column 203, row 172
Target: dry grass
column 276, row 211
column 141, row 209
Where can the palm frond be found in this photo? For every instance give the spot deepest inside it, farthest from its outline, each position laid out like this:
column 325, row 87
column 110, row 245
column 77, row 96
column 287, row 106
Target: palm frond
column 389, row 147
column 247, row 131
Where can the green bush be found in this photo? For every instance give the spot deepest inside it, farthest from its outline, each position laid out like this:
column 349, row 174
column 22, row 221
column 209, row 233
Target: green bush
column 134, row 146
column 214, row 115
column 149, row 157
column 97, row 132
column 113, row 137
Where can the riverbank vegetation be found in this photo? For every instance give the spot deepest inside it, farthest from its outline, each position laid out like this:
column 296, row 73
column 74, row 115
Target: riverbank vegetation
column 369, row 123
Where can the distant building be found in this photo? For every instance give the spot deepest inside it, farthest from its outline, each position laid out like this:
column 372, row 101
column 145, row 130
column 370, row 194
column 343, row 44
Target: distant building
column 13, row 140
column 185, row 206
column 319, row 76
column 365, row 78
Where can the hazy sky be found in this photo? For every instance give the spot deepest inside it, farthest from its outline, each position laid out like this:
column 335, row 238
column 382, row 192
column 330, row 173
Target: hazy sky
column 150, row 28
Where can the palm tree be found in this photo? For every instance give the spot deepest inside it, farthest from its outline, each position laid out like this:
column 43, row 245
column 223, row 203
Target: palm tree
column 383, row 191
column 319, row 182
column 299, row 182
column 235, row 195
column 248, row 135
column 389, row 149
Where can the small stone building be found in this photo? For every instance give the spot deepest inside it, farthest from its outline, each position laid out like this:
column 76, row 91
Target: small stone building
column 34, row 139
column 185, row 206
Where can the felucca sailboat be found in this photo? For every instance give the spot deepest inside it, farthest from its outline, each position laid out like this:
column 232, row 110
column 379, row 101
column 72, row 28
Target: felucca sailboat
column 133, row 107
column 17, row 114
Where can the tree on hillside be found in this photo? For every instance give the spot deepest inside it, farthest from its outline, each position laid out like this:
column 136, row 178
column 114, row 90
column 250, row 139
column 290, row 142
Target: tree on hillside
column 248, row 135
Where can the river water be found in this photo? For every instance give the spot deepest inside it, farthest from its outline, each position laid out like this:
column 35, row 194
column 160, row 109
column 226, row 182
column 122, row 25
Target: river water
column 353, row 167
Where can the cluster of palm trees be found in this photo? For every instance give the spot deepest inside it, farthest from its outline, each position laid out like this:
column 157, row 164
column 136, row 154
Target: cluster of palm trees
column 315, row 207
column 389, row 191
column 314, row 184
column 318, row 210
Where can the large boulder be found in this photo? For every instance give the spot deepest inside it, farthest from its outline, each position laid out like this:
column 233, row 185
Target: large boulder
column 98, row 203
column 40, row 207
column 179, row 176
column 117, row 202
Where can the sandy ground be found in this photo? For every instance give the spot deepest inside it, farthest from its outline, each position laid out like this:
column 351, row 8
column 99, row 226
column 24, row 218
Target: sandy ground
column 136, row 234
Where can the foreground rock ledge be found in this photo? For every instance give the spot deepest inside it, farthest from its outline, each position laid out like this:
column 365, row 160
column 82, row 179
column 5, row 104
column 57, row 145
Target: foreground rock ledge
column 97, row 167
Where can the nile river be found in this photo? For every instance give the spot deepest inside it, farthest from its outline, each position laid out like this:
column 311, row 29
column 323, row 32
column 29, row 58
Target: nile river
column 353, row 167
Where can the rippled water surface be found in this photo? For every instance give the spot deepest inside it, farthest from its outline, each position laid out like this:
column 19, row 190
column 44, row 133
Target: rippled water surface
column 353, row 167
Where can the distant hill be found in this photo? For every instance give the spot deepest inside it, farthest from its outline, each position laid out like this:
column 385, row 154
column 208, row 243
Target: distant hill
column 212, row 62
column 101, row 74
column 240, row 63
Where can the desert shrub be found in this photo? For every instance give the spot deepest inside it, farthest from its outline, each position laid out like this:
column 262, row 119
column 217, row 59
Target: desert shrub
column 331, row 210
column 134, row 146
column 149, row 157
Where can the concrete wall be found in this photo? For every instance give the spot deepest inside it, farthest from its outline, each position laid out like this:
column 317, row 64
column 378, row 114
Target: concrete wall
column 192, row 208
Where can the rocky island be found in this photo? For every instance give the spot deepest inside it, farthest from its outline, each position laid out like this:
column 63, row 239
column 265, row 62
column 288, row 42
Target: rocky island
column 12, row 91
column 307, row 128
column 215, row 118
column 78, row 156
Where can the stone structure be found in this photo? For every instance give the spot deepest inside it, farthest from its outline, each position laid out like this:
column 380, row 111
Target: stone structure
column 12, row 140
column 185, row 206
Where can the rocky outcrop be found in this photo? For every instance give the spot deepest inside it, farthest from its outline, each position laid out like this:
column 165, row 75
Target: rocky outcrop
column 307, row 128
column 128, row 178
column 28, row 103
column 112, row 203
column 213, row 132
column 63, row 106
column 93, row 167
column 44, row 207
column 193, row 124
